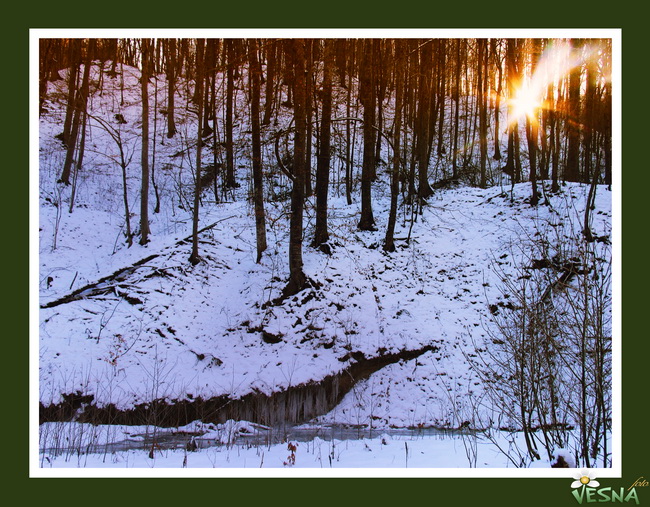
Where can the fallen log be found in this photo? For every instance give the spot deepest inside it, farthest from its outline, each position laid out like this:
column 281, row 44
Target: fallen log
column 100, row 288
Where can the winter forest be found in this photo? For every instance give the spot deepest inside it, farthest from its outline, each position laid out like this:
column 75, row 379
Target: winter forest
column 325, row 253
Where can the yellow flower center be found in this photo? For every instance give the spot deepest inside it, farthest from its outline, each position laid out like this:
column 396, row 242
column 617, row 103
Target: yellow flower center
column 584, row 479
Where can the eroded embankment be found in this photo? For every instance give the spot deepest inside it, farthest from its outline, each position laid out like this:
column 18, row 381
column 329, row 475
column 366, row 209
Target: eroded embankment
column 293, row 405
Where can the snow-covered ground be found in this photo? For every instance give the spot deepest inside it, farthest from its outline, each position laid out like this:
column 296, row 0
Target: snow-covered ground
column 172, row 331
column 241, row 445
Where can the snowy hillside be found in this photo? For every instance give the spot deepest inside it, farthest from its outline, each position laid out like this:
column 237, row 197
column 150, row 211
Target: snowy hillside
column 123, row 330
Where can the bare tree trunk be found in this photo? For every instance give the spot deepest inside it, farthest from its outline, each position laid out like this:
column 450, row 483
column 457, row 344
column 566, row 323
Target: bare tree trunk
column 297, row 278
column 230, row 87
column 532, row 133
column 74, row 56
column 209, row 65
column 80, row 100
column 308, row 108
column 78, row 165
column 144, row 154
column 511, row 166
column 482, row 108
column 194, row 256
column 215, row 163
column 555, row 151
column 156, row 208
column 389, row 242
column 456, row 111
column 323, row 166
column 125, row 194
column 442, row 60
column 607, row 137
column 269, row 94
column 258, row 194
column 367, row 96
column 380, row 87
column 588, row 122
column 572, row 169
column 591, row 173
column 423, row 123
column 544, row 158
column 497, row 101
column 46, row 56
column 348, row 144
column 171, row 87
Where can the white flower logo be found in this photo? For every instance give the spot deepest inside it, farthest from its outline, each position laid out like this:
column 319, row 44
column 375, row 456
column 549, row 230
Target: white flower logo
column 585, row 478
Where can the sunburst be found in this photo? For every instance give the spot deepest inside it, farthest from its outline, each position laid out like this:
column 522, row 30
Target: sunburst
column 557, row 61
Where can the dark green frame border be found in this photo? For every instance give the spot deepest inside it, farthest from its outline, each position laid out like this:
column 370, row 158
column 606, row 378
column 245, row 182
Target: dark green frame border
column 333, row 14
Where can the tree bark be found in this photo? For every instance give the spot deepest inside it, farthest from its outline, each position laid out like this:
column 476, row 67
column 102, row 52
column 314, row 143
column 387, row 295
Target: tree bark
column 323, row 164
column 194, row 256
column 423, row 123
column 349, row 153
column 482, row 111
column 532, row 134
column 74, row 56
column 308, row 110
column 572, row 168
column 297, row 278
column 456, row 111
column 511, row 166
column 258, row 194
column 79, row 106
column 389, row 241
column 171, row 87
column 269, row 94
column 497, row 101
column 588, row 122
column 230, row 87
column 442, row 93
column 367, row 97
column 144, row 153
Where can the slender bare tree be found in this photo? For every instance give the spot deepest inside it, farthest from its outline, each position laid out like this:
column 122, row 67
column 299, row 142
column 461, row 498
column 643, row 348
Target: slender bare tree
column 144, row 153
column 194, row 256
column 258, row 194
column 321, row 234
column 297, row 278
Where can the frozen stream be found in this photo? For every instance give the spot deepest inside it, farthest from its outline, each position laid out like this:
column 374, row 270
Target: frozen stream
column 244, row 445
column 65, row 438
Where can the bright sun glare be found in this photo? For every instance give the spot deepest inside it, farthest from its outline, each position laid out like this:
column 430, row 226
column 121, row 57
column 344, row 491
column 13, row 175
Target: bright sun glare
column 556, row 62
column 525, row 104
